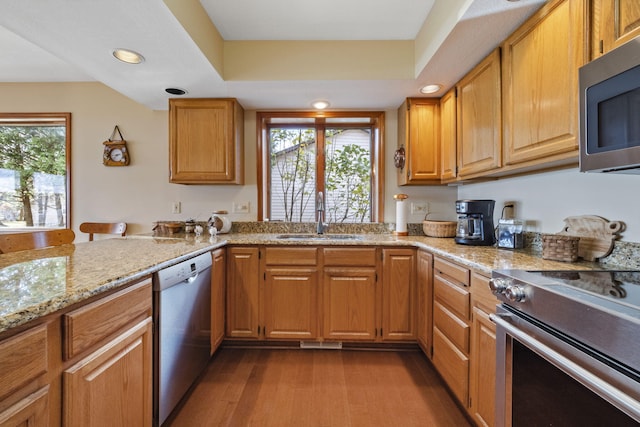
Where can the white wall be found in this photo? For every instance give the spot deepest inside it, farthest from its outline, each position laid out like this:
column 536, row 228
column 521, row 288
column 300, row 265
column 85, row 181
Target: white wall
column 545, row 200
column 141, row 193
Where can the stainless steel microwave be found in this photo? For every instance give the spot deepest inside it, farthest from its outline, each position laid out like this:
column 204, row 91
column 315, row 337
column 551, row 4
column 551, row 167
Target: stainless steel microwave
column 610, row 111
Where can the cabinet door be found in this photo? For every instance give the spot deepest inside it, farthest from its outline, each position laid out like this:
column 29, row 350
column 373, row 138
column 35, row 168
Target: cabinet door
column 399, row 294
column 424, row 328
column 448, row 134
column 419, row 132
column 482, row 378
column 290, row 303
column 113, row 385
column 540, row 85
column 243, row 292
column 205, row 141
column 33, row 410
column 615, row 22
column 218, row 287
column 349, row 303
column 479, row 118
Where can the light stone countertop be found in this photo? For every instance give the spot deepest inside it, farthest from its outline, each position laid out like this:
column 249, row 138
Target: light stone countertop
column 40, row 282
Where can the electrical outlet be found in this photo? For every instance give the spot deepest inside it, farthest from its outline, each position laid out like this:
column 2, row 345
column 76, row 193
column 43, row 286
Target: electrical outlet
column 419, row 208
column 508, row 210
column 176, row 208
column 241, row 207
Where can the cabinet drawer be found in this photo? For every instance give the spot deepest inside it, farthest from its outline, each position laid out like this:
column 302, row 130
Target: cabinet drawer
column 452, row 326
column 92, row 323
column 291, row 256
column 452, row 364
column 453, row 296
column 454, row 271
column 338, row 257
column 23, row 358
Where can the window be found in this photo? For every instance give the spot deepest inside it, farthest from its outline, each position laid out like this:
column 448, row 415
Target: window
column 34, row 170
column 329, row 157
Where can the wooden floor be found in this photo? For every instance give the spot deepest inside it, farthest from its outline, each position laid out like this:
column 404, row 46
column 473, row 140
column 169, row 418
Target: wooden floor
column 292, row 387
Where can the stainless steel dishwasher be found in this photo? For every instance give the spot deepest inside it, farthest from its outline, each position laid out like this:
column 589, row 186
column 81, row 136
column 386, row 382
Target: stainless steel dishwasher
column 182, row 345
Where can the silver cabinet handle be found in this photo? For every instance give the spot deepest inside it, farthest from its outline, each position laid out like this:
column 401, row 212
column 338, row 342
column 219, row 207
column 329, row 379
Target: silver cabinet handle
column 622, row 400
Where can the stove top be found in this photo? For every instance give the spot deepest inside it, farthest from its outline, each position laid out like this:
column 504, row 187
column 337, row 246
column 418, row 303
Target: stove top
column 620, row 286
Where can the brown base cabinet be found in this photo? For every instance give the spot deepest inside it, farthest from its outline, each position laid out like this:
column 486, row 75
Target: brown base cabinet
column 90, row 366
column 398, row 295
column 329, row 293
column 424, row 292
column 243, row 292
column 218, row 297
column 482, row 376
column 112, row 386
column 451, row 325
column 349, row 294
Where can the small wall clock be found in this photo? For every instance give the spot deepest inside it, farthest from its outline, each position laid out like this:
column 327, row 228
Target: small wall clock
column 115, row 151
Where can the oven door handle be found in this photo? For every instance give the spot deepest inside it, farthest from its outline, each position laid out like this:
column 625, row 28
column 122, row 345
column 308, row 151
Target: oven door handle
column 615, row 396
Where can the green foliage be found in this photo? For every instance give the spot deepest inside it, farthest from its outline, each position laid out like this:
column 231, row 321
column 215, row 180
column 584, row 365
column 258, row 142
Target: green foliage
column 348, row 183
column 28, row 150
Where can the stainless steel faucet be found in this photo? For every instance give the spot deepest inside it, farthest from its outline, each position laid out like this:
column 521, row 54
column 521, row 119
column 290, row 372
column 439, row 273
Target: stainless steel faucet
column 320, row 209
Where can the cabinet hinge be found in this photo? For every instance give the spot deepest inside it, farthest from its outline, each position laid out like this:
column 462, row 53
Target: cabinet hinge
column 376, row 277
column 601, row 47
column 259, row 254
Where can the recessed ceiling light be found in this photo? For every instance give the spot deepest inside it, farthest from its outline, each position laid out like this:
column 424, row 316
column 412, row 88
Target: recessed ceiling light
column 320, row 105
column 430, row 88
column 175, row 91
column 128, row 56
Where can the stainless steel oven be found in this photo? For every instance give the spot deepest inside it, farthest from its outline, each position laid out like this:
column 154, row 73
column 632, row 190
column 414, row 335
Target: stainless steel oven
column 568, row 348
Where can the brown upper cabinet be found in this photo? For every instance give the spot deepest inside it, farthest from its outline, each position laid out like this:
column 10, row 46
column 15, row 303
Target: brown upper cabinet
column 419, row 138
column 448, row 131
column 206, row 138
column 614, row 22
column 540, row 62
column 479, row 119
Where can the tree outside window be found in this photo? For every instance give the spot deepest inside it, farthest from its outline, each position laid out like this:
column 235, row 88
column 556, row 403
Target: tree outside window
column 34, row 170
column 336, row 154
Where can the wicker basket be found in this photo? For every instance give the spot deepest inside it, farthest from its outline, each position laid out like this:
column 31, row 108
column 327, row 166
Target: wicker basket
column 439, row 228
column 560, row 247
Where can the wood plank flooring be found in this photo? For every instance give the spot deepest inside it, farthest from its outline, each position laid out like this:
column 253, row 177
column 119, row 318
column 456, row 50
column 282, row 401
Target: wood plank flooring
column 342, row 388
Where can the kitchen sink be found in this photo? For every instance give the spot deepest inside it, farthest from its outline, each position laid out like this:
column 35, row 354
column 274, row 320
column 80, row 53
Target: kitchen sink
column 319, row 237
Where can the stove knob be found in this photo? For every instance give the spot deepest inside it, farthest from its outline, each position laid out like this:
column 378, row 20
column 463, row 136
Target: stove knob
column 515, row 293
column 499, row 285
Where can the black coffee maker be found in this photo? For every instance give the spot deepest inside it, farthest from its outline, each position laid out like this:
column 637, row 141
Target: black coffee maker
column 475, row 222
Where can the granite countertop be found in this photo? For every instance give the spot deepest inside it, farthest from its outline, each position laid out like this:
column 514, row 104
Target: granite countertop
column 40, row 282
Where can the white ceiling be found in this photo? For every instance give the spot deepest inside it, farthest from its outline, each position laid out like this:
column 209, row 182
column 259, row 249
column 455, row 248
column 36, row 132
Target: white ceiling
column 71, row 41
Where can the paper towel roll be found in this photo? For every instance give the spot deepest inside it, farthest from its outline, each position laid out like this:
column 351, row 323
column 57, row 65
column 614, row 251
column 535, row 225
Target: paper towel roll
column 401, row 215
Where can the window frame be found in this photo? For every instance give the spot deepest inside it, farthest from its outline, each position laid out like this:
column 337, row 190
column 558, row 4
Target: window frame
column 263, row 121
column 44, row 118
